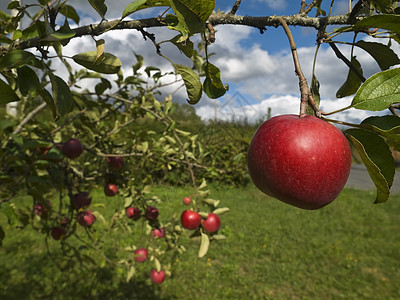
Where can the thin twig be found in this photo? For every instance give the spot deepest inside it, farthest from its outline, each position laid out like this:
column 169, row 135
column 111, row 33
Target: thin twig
column 235, row 7
column 305, row 92
column 29, row 117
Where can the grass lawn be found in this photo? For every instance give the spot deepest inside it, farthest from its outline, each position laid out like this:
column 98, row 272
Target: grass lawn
column 347, row 250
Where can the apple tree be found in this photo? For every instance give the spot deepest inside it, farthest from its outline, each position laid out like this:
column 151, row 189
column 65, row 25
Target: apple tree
column 62, row 142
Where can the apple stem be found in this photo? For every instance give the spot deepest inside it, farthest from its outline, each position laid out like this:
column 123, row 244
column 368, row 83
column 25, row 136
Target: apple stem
column 306, row 96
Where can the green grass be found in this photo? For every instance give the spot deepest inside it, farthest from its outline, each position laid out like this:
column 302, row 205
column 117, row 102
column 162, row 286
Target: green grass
column 347, row 250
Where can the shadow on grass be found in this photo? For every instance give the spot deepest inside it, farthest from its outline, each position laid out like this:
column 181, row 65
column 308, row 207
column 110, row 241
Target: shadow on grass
column 35, row 277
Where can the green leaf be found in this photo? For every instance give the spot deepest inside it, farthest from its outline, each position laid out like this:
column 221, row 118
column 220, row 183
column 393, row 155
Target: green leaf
column 185, row 45
column 99, row 6
column 18, row 58
column 352, row 83
column 220, row 211
column 315, row 93
column 377, row 158
column 191, row 81
column 204, row 244
column 62, row 95
column 7, row 94
column 70, row 12
column 386, row 126
column 46, row 96
column 383, row 21
column 130, row 273
column 379, row 91
column 102, row 86
column 384, row 56
column 109, row 64
column 28, row 81
column 142, row 4
column 132, row 7
column 213, row 86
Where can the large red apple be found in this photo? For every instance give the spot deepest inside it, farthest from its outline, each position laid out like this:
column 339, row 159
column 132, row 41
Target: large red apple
column 72, row 148
column 141, row 254
column 212, row 223
column 86, row 218
column 304, row 162
column 190, row 219
column 157, row 277
column 110, row 190
column 115, row 162
column 81, row 200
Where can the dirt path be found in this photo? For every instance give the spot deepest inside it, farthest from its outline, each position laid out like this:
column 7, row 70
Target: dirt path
column 360, row 179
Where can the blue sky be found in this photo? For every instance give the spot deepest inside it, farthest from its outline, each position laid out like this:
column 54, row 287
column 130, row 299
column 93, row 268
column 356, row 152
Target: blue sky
column 258, row 67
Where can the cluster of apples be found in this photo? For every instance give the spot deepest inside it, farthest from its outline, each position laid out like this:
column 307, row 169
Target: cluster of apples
column 141, row 255
column 192, row 220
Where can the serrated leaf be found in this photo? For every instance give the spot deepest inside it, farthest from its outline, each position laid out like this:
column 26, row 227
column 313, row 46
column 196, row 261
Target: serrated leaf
column 28, row 81
column 352, row 83
column 379, row 91
column 384, row 56
column 377, row 158
column 99, row 6
column 62, row 95
column 383, row 21
column 213, row 86
column 192, row 83
column 204, row 244
column 220, row 211
column 109, row 64
column 7, row 93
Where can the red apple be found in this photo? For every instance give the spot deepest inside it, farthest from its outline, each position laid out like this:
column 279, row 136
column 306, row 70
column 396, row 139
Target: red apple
column 212, row 223
column 81, row 200
column 141, row 254
column 187, row 200
column 86, row 218
column 304, row 162
column 190, row 219
column 133, row 213
column 72, row 148
column 151, row 213
column 157, row 277
column 58, row 233
column 42, row 210
column 158, row 232
column 110, row 190
column 115, row 162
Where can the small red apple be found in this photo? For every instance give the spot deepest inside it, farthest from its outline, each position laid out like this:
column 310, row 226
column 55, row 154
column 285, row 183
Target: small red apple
column 212, row 223
column 110, row 190
column 86, row 218
column 187, row 200
column 58, row 233
column 42, row 210
column 133, row 213
column 151, row 213
column 190, row 219
column 158, row 232
column 304, row 162
column 157, row 277
column 141, row 254
column 81, row 200
column 72, row 148
column 115, row 162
